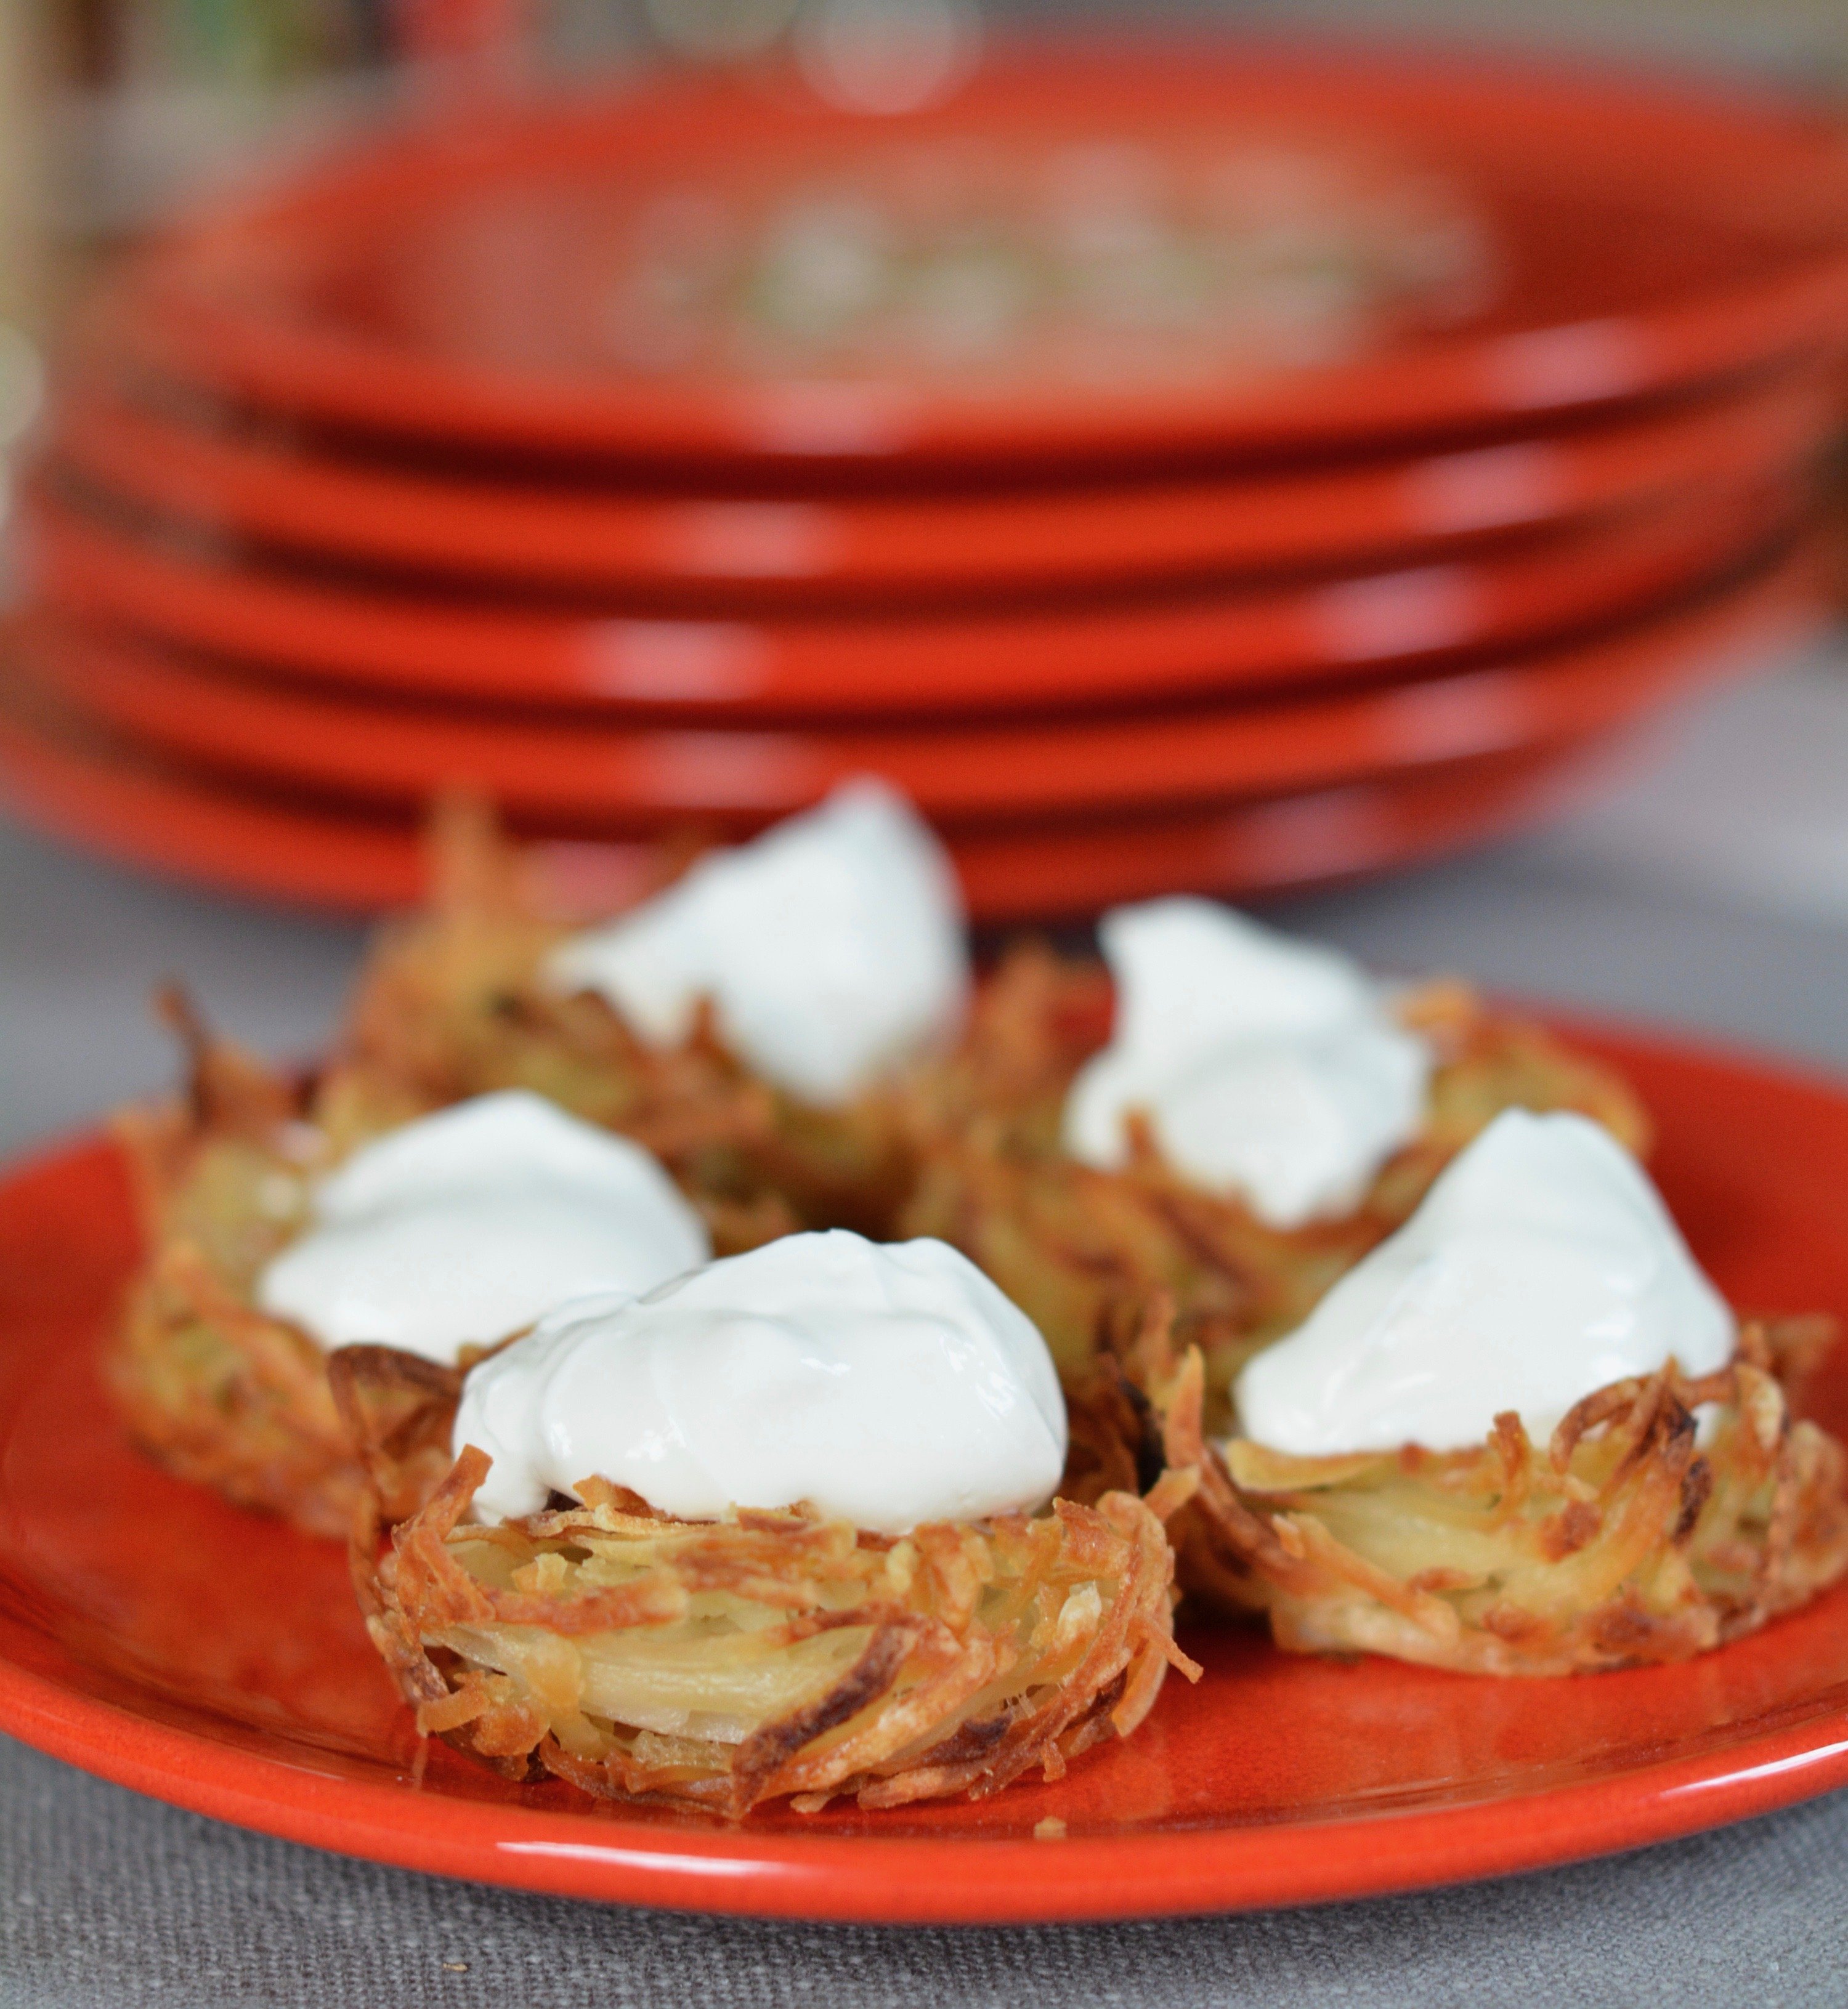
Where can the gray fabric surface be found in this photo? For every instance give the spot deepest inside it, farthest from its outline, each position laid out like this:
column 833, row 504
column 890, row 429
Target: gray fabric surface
column 109, row 1898
column 81, row 947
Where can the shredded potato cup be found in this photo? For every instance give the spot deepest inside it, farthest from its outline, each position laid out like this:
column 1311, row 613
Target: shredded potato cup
column 1664, row 1516
column 768, row 1655
column 454, row 1002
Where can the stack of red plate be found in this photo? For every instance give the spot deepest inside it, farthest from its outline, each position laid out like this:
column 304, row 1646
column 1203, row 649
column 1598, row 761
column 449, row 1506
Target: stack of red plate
column 1224, row 467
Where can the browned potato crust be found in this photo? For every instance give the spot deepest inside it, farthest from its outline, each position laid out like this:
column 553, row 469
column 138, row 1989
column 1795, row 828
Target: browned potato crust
column 720, row 1665
column 214, row 1389
column 1081, row 1251
column 1624, row 1540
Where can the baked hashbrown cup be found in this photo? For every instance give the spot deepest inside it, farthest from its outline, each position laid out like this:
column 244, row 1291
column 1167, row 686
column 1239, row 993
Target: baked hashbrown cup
column 1634, row 1535
column 769, row 1655
column 217, row 1390
column 453, row 1002
column 1082, row 1250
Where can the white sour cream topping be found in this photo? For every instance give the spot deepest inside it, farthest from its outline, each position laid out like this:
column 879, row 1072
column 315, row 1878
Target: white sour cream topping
column 462, row 1226
column 889, row 1385
column 831, row 946
column 1270, row 1068
column 1542, row 1266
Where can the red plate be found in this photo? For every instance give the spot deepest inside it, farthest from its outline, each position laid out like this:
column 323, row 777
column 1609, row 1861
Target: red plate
column 595, row 775
column 462, row 281
column 1050, row 659
column 133, row 806
column 152, row 1635
column 256, row 484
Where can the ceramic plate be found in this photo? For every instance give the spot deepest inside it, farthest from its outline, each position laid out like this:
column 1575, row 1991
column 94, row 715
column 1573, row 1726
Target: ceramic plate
column 1056, row 264
column 153, row 1635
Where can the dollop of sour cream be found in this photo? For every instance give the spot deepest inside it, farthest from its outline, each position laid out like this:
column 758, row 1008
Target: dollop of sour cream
column 1542, row 1266
column 462, row 1227
column 887, row 1384
column 1269, row 1068
column 831, row 946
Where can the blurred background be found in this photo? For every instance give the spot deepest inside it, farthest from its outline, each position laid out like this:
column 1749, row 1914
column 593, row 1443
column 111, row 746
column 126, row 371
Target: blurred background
column 1382, row 459
column 116, row 109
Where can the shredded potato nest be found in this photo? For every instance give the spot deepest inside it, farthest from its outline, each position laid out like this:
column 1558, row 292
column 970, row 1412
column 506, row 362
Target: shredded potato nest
column 1627, row 1539
column 212, row 1387
column 1081, row 1251
column 721, row 1664
column 452, row 1003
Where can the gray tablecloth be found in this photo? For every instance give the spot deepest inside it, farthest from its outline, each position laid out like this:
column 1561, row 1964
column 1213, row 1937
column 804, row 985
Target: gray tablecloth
column 108, row 1898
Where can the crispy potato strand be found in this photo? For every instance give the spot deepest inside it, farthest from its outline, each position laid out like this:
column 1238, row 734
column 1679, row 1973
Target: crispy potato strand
column 215, row 1391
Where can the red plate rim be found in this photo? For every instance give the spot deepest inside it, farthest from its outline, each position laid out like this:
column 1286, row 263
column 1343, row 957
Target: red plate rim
column 1797, row 1751
column 789, row 552
column 1011, row 1883
column 1609, row 130
column 256, row 732
column 163, row 819
column 385, row 642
